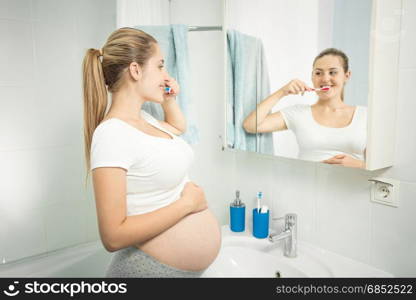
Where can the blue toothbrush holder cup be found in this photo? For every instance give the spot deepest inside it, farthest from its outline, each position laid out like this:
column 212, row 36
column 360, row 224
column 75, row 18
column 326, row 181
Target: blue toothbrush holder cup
column 260, row 224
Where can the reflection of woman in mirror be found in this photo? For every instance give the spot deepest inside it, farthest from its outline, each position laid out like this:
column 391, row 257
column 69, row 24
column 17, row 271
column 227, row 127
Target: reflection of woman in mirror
column 154, row 219
column 329, row 131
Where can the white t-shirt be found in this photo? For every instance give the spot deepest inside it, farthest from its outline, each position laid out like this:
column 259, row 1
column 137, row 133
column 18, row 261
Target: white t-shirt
column 157, row 168
column 317, row 142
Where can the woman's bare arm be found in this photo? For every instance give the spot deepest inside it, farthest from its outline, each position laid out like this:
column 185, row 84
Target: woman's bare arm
column 261, row 120
column 175, row 121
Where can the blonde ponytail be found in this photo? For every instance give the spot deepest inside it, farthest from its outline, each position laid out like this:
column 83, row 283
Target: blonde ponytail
column 95, row 98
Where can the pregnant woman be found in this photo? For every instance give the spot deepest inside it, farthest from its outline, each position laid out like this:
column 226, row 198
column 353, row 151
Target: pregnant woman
column 154, row 219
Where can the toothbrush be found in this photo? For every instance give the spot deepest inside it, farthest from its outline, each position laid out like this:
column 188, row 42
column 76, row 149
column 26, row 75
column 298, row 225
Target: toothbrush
column 325, row 88
column 259, row 196
column 168, row 89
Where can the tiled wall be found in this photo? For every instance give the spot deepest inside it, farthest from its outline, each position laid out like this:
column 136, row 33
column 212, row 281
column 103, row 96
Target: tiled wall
column 43, row 203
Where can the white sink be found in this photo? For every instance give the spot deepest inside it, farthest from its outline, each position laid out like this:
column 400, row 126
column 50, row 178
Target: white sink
column 243, row 255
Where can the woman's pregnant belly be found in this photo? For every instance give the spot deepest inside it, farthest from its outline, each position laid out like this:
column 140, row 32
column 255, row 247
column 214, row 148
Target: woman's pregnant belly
column 191, row 244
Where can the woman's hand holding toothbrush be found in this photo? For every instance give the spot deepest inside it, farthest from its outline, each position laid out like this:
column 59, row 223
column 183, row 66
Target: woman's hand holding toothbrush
column 297, row 86
column 171, row 89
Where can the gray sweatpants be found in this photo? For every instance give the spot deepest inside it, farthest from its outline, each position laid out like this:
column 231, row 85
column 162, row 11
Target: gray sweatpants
column 132, row 262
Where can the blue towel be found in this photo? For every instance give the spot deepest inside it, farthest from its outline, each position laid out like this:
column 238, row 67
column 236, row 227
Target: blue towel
column 247, row 84
column 173, row 41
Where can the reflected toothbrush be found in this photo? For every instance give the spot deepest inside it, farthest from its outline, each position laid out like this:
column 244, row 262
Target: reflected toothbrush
column 325, row 88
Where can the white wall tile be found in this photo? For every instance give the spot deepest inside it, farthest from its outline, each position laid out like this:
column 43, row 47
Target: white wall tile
column 282, row 186
column 393, row 242
column 57, row 69
column 15, row 9
column 30, row 180
column 18, row 103
column 16, row 55
column 52, row 11
column 248, row 183
column 57, row 86
column 65, row 224
column 93, row 25
column 23, row 233
column 32, row 121
column 23, row 181
column 34, row 178
column 295, row 192
column 343, row 211
column 198, row 12
column 49, row 84
column 142, row 12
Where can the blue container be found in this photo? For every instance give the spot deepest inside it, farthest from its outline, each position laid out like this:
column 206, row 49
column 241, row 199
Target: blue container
column 260, row 224
column 237, row 218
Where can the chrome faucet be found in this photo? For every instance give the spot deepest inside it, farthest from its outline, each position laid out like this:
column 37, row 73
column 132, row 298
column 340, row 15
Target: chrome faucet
column 289, row 235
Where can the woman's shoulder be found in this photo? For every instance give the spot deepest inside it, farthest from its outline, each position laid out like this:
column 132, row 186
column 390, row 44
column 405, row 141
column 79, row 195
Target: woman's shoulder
column 111, row 128
column 108, row 125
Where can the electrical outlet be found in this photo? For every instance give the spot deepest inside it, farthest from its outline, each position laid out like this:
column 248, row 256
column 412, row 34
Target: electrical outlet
column 385, row 191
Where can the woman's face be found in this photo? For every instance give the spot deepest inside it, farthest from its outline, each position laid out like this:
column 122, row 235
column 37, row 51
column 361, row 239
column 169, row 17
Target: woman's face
column 152, row 83
column 328, row 71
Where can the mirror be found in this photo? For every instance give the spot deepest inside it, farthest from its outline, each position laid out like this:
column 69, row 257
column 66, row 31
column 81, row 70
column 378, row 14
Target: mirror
column 270, row 43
